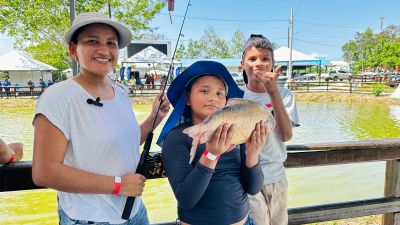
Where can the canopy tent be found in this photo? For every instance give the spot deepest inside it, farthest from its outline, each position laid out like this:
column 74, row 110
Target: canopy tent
column 282, row 56
column 21, row 67
column 147, row 58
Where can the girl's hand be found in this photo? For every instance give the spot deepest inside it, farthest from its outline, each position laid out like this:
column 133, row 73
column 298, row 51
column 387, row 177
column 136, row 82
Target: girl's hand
column 220, row 142
column 18, row 149
column 270, row 80
column 255, row 143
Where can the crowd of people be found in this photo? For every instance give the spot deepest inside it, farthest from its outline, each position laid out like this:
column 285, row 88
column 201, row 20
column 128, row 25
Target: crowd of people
column 87, row 137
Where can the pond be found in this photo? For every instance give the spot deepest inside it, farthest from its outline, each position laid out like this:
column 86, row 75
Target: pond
column 320, row 122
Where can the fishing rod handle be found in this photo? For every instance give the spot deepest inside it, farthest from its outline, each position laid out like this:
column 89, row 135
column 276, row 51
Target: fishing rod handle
column 140, row 170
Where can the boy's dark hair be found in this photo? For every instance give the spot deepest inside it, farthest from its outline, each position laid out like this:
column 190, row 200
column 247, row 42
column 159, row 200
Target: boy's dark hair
column 260, row 42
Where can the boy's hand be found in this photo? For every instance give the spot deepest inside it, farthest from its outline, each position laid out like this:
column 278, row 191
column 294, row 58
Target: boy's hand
column 270, row 80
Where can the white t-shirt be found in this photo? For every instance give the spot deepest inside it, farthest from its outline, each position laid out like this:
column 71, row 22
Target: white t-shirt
column 274, row 153
column 102, row 140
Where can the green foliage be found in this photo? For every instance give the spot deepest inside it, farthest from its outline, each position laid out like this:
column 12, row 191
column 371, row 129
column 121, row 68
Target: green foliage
column 377, row 89
column 39, row 26
column 211, row 45
column 369, row 50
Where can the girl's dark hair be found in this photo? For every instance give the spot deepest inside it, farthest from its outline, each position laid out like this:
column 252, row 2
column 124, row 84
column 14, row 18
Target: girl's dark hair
column 260, row 42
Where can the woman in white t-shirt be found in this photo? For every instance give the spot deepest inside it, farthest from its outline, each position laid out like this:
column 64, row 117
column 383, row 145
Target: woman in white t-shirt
column 86, row 143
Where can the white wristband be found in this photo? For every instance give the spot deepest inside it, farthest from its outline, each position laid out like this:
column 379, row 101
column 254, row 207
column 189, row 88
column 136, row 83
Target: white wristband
column 210, row 156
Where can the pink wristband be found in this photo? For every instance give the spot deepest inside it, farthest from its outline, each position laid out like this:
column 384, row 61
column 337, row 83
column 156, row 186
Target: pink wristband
column 117, row 185
column 210, row 156
column 12, row 158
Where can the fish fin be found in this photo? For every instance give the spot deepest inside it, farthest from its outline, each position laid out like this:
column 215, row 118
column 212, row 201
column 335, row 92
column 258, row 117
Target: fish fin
column 197, row 139
column 193, row 149
column 233, row 101
column 192, row 131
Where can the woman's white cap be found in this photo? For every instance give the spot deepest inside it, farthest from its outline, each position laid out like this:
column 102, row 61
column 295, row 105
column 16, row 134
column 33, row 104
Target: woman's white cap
column 124, row 34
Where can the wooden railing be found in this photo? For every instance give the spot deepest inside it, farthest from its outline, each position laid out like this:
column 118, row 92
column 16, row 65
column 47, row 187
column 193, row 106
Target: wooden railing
column 17, row 176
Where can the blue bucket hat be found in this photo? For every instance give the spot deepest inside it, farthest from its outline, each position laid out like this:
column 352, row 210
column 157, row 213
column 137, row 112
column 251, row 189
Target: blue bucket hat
column 177, row 91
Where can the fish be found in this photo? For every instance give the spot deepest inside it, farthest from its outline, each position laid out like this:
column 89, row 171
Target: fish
column 245, row 114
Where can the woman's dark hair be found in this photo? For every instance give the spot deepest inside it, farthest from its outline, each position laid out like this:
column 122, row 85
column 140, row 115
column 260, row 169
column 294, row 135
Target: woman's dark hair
column 74, row 38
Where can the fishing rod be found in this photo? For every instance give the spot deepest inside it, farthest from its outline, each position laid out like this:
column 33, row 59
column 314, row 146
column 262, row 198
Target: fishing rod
column 146, row 148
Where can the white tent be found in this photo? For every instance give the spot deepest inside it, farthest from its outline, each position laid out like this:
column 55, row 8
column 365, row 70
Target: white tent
column 150, row 60
column 282, row 56
column 21, row 67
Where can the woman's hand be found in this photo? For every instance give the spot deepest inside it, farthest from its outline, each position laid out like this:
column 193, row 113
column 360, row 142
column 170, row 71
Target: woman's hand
column 164, row 109
column 132, row 184
column 270, row 80
column 220, row 142
column 255, row 143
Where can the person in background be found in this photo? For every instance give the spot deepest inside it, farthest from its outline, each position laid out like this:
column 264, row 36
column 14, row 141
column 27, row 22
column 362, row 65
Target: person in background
column 31, row 87
column 86, row 136
column 213, row 189
column 269, row 206
column 6, row 86
column 12, row 152
column 42, row 83
column 49, row 83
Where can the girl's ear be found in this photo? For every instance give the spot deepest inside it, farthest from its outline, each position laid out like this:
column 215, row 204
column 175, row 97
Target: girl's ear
column 187, row 101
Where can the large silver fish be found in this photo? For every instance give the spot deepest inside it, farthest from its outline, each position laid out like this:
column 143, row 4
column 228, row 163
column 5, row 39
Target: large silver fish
column 245, row 114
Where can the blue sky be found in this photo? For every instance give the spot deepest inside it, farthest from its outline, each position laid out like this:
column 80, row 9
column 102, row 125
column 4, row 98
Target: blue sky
column 321, row 27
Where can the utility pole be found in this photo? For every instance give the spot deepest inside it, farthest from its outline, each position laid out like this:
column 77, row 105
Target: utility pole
column 289, row 67
column 382, row 18
column 72, row 18
column 109, row 9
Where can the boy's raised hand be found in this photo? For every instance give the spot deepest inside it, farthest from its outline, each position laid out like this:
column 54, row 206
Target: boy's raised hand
column 270, row 79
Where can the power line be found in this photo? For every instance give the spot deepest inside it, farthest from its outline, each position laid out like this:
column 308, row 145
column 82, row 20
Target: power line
column 317, row 43
column 329, row 25
column 228, row 20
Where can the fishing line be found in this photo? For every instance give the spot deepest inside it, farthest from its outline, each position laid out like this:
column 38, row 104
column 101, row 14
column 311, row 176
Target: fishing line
column 146, row 149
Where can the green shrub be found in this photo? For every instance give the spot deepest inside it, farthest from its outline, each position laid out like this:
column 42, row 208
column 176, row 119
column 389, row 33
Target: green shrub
column 377, row 89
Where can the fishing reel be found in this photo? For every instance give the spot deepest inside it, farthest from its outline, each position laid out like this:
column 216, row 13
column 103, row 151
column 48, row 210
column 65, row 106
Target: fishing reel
column 153, row 167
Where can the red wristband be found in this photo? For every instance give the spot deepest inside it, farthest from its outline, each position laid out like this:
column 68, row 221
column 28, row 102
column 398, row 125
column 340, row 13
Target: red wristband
column 12, row 158
column 117, row 185
column 210, row 156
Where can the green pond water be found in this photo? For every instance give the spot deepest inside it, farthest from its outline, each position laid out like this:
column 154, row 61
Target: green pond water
column 320, row 122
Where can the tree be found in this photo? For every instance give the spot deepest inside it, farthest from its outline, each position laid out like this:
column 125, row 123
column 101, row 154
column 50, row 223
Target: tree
column 180, row 52
column 213, row 45
column 237, row 42
column 39, row 26
column 194, row 50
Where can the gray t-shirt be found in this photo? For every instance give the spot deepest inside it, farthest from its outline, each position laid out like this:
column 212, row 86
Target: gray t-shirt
column 274, row 153
column 101, row 140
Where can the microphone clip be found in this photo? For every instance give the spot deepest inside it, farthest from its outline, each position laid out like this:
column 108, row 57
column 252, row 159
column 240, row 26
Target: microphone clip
column 94, row 102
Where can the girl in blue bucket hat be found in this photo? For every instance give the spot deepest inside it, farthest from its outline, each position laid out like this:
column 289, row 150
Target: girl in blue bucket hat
column 213, row 189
